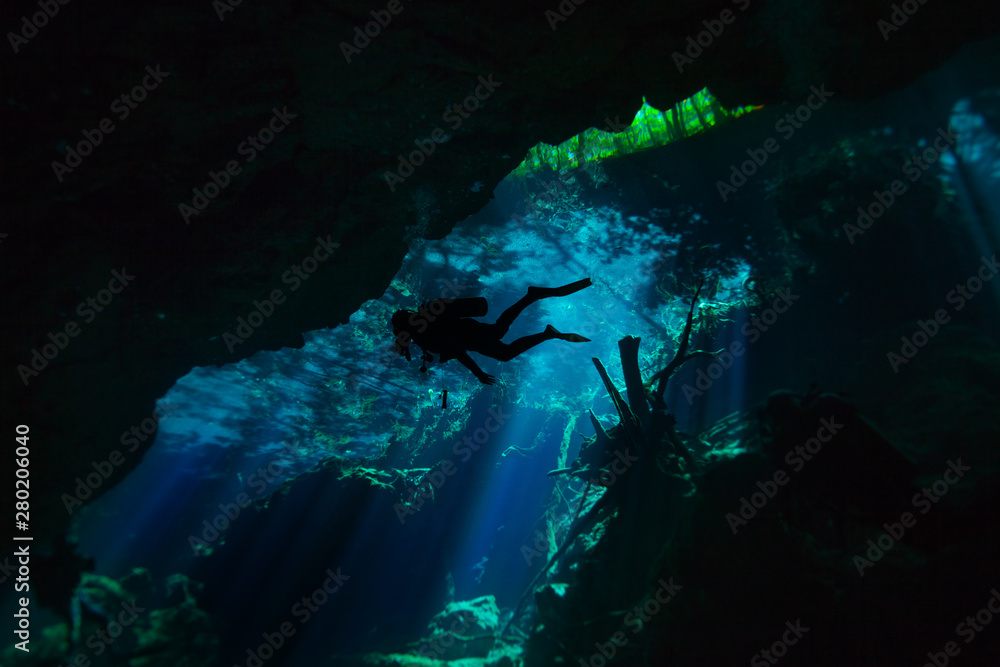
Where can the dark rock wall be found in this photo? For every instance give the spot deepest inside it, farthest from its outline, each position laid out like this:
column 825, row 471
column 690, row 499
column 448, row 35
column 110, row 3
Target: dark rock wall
column 222, row 75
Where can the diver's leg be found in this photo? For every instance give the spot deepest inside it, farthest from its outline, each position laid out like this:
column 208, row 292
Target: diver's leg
column 507, row 351
column 508, row 316
column 534, row 294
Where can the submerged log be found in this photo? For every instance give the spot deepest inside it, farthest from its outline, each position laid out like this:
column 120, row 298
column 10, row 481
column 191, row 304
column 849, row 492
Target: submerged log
column 599, row 432
column 645, row 425
column 628, row 350
column 633, row 430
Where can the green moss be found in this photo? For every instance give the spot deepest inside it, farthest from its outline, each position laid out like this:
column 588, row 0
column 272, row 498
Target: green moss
column 377, row 478
column 330, row 443
column 402, row 431
column 650, row 128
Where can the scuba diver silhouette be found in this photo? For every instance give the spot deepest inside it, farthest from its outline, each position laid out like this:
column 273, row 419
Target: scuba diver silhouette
column 444, row 327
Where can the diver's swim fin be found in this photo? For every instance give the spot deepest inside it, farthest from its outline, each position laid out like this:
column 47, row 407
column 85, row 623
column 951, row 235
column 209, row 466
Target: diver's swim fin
column 565, row 290
column 571, row 337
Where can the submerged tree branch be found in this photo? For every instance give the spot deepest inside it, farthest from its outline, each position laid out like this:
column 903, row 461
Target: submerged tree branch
column 682, row 356
column 628, row 419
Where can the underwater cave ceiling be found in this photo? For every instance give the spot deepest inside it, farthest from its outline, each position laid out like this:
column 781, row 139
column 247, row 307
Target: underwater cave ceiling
column 228, row 73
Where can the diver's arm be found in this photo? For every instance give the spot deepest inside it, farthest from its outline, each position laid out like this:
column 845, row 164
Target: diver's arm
column 467, row 361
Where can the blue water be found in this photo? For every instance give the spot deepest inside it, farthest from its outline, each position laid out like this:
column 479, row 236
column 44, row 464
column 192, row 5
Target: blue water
column 643, row 230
